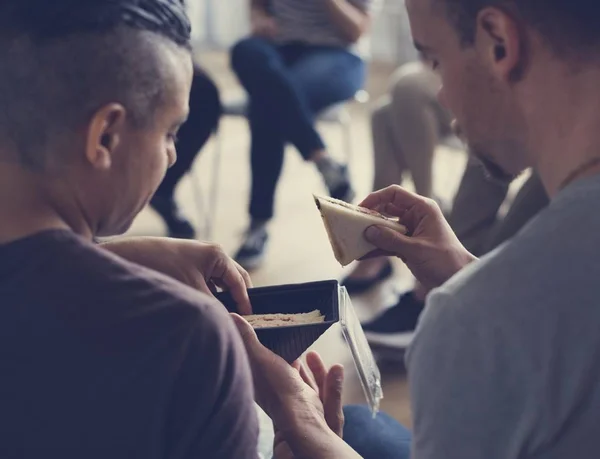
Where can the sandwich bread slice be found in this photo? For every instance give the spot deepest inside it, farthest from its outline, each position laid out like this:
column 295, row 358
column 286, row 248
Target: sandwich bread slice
column 346, row 224
column 284, row 320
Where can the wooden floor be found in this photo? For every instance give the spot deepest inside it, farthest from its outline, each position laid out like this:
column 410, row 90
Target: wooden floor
column 299, row 250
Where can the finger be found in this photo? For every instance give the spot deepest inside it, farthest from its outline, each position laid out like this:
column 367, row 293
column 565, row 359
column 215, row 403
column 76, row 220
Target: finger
column 232, row 280
column 401, row 198
column 248, row 335
column 390, row 241
column 318, row 369
column 245, row 276
column 306, row 376
column 332, row 404
column 390, row 210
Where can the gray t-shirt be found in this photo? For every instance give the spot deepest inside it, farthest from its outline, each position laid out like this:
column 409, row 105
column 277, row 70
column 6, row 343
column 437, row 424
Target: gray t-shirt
column 308, row 21
column 506, row 360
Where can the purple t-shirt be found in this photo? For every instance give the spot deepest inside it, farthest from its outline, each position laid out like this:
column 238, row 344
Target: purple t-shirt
column 101, row 358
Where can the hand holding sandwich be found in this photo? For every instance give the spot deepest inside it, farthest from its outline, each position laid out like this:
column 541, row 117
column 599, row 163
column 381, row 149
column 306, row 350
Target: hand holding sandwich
column 431, row 250
column 306, row 410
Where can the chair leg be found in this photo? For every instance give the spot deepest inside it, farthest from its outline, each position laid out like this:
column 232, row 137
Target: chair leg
column 214, row 190
column 199, row 201
column 346, row 126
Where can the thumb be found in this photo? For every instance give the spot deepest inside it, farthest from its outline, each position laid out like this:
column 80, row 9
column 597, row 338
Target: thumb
column 247, row 333
column 389, row 240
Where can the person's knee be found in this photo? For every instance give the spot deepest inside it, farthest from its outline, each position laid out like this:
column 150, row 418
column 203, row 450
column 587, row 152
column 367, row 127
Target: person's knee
column 247, row 54
column 381, row 437
column 357, row 412
column 414, row 85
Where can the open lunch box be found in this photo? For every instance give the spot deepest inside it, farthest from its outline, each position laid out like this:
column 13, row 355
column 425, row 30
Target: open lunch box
column 290, row 342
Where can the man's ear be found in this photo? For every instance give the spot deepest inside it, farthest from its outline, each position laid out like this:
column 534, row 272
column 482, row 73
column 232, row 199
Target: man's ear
column 500, row 41
column 104, row 135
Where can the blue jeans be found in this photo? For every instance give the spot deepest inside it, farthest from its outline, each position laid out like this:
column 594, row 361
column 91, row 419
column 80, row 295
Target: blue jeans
column 288, row 86
column 379, row 438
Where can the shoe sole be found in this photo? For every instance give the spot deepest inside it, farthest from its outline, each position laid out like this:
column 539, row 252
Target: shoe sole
column 390, row 340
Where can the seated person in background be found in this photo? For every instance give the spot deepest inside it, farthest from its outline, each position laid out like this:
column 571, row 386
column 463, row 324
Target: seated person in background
column 300, row 59
column 203, row 119
column 407, row 126
column 505, row 363
column 101, row 357
column 476, row 220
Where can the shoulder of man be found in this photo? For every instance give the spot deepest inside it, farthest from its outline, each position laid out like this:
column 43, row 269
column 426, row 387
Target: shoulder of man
column 114, row 287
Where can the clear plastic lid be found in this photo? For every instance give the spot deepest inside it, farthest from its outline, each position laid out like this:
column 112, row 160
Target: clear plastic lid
column 367, row 368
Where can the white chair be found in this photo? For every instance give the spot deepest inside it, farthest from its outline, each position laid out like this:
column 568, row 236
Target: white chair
column 237, row 105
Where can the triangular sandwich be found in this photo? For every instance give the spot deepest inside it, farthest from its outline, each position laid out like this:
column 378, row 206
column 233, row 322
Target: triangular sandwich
column 346, row 224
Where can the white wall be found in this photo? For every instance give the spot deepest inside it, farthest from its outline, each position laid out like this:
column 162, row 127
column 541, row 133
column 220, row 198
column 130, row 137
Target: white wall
column 220, row 23
column 391, row 39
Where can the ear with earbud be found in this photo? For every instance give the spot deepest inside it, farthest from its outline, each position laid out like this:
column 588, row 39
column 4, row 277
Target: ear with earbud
column 499, row 52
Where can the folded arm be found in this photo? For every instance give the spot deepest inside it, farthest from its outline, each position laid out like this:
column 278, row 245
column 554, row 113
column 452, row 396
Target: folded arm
column 350, row 20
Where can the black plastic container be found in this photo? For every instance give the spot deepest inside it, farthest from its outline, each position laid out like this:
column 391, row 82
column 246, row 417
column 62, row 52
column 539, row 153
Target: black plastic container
column 291, row 342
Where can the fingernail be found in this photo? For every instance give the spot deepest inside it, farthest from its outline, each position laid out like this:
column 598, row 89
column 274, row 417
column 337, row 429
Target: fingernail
column 372, row 232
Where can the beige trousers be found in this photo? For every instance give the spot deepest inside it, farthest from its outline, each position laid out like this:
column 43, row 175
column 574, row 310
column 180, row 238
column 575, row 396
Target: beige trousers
column 407, row 125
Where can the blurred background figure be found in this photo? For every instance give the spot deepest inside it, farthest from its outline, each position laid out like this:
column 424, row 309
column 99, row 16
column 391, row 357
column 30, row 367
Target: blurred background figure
column 302, row 57
column 205, row 111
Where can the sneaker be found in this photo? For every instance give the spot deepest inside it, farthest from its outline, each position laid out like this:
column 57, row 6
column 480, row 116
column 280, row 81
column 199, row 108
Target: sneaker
column 177, row 225
column 342, row 190
column 336, row 178
column 358, row 286
column 252, row 252
column 395, row 328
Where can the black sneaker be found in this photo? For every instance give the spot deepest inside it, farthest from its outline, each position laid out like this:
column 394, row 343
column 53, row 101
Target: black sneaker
column 358, row 286
column 343, row 188
column 177, row 225
column 395, row 328
column 252, row 252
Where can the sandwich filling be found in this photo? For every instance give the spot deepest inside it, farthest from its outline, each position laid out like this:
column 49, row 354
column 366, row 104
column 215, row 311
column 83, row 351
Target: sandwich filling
column 285, row 320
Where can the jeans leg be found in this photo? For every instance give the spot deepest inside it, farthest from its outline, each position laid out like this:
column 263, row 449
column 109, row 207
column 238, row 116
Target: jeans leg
column 285, row 94
column 205, row 111
column 258, row 65
column 261, row 67
column 266, row 162
column 324, row 76
column 379, row 438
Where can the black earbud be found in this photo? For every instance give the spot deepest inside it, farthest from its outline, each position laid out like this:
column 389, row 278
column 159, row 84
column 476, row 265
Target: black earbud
column 105, row 140
column 500, row 52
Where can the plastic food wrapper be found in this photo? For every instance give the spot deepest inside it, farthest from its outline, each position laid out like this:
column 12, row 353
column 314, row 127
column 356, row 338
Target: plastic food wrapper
column 366, row 366
column 291, row 342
